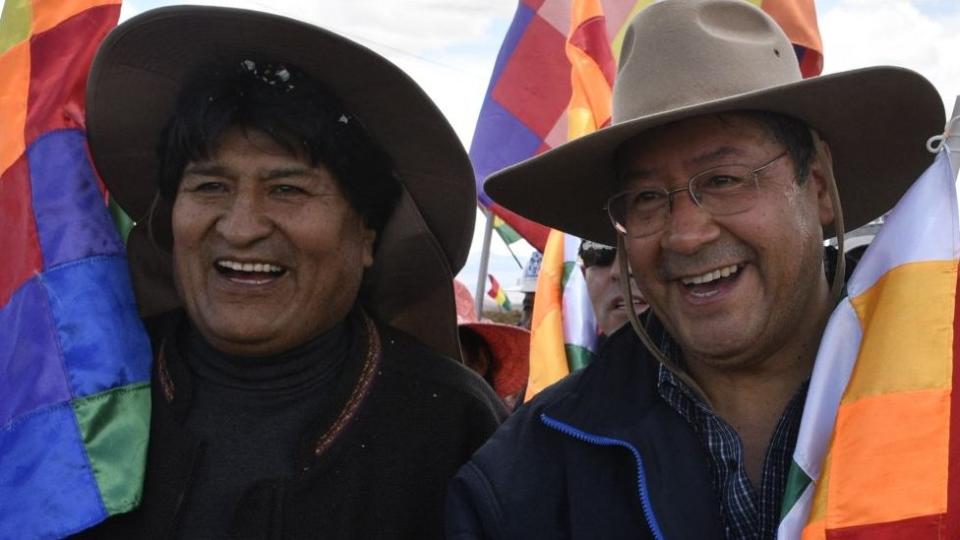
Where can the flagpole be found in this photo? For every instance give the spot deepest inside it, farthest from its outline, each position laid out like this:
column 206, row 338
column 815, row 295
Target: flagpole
column 952, row 140
column 484, row 262
column 514, row 255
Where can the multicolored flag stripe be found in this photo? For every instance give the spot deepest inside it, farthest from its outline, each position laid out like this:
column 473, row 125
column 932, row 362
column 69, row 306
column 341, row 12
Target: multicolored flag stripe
column 525, row 109
column 74, row 357
column 566, row 329
column 505, row 231
column 798, row 18
column 878, row 448
column 566, row 337
column 548, row 356
column 497, row 293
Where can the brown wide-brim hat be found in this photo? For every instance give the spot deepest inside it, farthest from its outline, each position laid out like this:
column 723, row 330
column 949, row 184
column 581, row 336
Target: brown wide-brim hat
column 134, row 82
column 686, row 58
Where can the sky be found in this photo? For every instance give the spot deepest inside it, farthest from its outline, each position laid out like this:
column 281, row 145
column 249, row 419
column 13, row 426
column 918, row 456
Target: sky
column 449, row 47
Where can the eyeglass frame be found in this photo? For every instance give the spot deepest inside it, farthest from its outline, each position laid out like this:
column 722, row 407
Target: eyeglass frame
column 754, row 175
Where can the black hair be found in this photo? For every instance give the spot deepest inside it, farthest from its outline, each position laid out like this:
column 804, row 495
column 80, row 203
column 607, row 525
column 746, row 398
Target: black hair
column 794, row 135
column 299, row 113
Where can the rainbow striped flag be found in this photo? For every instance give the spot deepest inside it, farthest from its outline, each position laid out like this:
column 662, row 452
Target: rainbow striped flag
column 563, row 334
column 563, row 329
column 526, row 108
column 497, row 293
column 74, row 358
column 878, row 454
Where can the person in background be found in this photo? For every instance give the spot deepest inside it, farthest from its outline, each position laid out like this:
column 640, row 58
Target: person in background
column 500, row 353
column 527, row 284
column 601, row 271
column 300, row 205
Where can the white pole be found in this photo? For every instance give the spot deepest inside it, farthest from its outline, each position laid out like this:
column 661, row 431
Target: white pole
column 484, row 262
column 953, row 137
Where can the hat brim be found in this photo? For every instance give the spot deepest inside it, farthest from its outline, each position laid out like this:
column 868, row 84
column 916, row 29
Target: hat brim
column 142, row 65
column 875, row 120
column 510, row 347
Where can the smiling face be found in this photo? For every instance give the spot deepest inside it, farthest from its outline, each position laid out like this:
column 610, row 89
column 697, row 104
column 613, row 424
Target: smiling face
column 268, row 253
column 735, row 289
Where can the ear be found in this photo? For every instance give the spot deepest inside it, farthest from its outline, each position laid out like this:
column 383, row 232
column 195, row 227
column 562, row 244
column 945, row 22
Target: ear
column 822, row 180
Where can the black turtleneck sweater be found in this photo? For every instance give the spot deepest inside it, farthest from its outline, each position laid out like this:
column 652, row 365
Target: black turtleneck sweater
column 249, row 414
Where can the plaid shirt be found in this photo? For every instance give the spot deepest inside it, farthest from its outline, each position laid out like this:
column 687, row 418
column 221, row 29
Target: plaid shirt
column 745, row 513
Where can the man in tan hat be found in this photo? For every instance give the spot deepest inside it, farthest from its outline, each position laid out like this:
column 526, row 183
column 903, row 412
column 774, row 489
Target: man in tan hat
column 301, row 208
column 716, row 180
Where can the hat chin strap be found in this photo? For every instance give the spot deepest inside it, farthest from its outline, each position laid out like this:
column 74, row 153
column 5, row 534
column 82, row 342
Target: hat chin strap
column 627, row 291
column 836, row 289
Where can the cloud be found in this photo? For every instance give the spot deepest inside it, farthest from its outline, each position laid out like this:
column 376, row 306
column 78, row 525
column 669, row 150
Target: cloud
column 448, row 47
column 919, row 35
column 412, row 26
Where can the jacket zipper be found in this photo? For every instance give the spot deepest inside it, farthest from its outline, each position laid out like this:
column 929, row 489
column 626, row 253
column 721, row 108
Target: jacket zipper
column 607, row 441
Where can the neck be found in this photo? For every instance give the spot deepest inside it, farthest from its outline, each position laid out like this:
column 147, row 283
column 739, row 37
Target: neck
column 302, row 366
column 751, row 393
column 764, row 384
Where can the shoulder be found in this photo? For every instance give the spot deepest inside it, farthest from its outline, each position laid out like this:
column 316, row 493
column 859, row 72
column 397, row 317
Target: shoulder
column 422, row 373
column 521, row 463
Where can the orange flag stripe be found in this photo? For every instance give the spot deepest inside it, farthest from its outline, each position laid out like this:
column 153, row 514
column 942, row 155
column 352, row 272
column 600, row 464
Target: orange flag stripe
column 908, row 433
column 548, row 358
column 798, row 18
column 13, row 102
column 50, row 13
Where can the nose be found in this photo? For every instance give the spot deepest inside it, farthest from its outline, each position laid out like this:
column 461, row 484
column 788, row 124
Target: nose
column 688, row 226
column 244, row 220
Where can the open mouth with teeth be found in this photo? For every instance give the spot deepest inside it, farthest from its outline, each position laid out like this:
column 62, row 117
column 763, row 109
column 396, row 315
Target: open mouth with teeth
column 638, row 304
column 249, row 272
column 710, row 283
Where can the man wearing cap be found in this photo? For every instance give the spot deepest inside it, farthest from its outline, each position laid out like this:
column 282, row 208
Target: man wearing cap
column 301, row 206
column 717, row 174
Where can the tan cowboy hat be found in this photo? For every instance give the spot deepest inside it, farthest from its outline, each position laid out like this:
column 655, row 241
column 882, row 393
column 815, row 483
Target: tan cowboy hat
column 685, row 58
column 140, row 69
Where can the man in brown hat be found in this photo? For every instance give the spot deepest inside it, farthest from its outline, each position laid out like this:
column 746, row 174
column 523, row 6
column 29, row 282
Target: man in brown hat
column 717, row 177
column 301, row 207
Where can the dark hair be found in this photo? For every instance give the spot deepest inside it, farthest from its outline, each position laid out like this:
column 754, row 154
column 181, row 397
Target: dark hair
column 794, row 135
column 300, row 114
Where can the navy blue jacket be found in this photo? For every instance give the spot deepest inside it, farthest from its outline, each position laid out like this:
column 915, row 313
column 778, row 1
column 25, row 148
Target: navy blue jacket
column 598, row 455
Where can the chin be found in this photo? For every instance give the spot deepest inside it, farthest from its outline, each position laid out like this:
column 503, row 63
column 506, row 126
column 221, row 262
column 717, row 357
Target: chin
column 722, row 347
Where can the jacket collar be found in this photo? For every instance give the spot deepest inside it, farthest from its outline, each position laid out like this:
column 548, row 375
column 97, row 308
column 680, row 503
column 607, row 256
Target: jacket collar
column 622, row 377
column 616, row 397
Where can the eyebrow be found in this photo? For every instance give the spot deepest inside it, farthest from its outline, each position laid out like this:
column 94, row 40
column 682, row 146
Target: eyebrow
column 206, row 169
column 285, row 172
column 216, row 170
column 702, row 160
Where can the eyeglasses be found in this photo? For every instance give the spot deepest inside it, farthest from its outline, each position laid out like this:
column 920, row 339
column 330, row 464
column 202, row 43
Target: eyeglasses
column 721, row 191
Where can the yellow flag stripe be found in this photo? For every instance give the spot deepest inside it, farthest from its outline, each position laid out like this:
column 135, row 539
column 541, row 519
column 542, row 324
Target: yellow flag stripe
column 913, row 321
